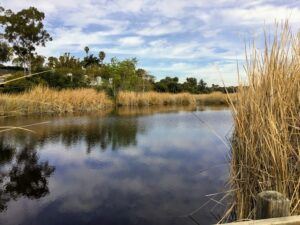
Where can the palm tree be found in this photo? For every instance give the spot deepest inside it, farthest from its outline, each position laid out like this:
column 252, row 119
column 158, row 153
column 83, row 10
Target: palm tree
column 86, row 49
column 101, row 56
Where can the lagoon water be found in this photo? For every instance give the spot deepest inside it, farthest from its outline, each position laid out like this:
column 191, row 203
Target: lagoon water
column 150, row 166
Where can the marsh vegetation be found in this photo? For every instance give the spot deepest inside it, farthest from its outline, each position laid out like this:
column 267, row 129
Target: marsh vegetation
column 265, row 152
column 50, row 101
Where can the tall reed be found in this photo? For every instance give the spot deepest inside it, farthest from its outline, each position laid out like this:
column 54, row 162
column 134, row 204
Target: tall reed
column 154, row 98
column 216, row 98
column 45, row 100
column 266, row 140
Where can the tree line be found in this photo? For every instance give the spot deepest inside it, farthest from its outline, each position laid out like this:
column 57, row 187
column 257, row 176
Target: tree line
column 24, row 31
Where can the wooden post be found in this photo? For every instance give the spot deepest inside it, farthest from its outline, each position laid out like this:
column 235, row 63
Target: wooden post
column 271, row 204
column 290, row 220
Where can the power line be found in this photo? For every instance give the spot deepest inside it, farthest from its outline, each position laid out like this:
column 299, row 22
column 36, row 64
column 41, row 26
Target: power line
column 19, row 78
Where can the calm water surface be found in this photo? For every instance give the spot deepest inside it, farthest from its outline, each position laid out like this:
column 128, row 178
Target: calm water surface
column 128, row 167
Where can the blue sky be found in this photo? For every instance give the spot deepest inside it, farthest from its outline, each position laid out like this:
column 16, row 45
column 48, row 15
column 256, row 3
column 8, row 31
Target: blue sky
column 183, row 38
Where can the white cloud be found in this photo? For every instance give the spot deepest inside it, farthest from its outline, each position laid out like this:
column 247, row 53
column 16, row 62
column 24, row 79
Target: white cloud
column 155, row 28
column 71, row 40
column 131, row 41
column 217, row 73
column 259, row 15
column 190, row 30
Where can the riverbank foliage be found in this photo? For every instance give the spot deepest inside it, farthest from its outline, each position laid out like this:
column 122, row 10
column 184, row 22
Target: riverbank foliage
column 266, row 140
column 155, row 98
column 51, row 101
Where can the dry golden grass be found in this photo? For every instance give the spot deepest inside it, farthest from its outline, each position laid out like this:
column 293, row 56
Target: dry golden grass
column 216, row 98
column 45, row 100
column 154, row 98
column 266, row 139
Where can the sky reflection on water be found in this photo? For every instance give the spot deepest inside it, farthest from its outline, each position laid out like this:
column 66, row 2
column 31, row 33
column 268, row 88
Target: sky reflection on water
column 117, row 169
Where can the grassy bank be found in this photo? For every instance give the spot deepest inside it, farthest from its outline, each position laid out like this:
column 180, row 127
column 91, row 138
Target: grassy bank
column 266, row 140
column 155, row 98
column 45, row 100
column 216, row 98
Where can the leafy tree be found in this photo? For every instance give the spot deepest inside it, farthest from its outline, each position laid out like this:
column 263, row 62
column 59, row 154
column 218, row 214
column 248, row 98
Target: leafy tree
column 215, row 87
column 68, row 72
column 168, row 84
column 145, row 80
column 90, row 60
column 5, row 52
column 190, row 85
column 25, row 31
column 65, row 61
column 64, row 78
column 120, row 75
column 52, row 62
column 17, row 61
column 22, row 85
column 95, row 71
column 37, row 63
column 202, row 87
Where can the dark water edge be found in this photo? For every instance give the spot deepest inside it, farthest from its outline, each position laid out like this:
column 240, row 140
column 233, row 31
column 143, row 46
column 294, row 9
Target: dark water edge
column 130, row 166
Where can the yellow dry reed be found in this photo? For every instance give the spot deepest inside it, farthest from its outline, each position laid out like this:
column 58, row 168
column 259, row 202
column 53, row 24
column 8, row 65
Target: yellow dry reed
column 45, row 100
column 155, row 98
column 216, row 98
column 266, row 140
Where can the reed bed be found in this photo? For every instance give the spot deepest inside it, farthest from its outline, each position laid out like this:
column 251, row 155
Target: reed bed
column 154, row 98
column 216, row 98
column 45, row 100
column 265, row 151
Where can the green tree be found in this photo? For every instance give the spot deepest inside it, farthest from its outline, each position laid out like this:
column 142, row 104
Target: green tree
column 25, row 31
column 52, row 62
column 37, row 63
column 17, row 62
column 168, row 84
column 68, row 72
column 22, row 85
column 120, row 75
column 66, row 61
column 90, row 60
column 202, row 87
column 190, row 85
column 145, row 80
column 5, row 52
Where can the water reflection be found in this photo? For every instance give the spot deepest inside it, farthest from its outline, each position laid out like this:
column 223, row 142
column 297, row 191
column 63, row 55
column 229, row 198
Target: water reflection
column 93, row 131
column 126, row 168
column 22, row 175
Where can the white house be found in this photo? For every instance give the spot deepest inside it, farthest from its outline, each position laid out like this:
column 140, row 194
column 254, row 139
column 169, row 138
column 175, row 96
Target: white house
column 97, row 81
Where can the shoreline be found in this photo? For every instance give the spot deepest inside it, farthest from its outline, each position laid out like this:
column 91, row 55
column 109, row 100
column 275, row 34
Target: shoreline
column 43, row 100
